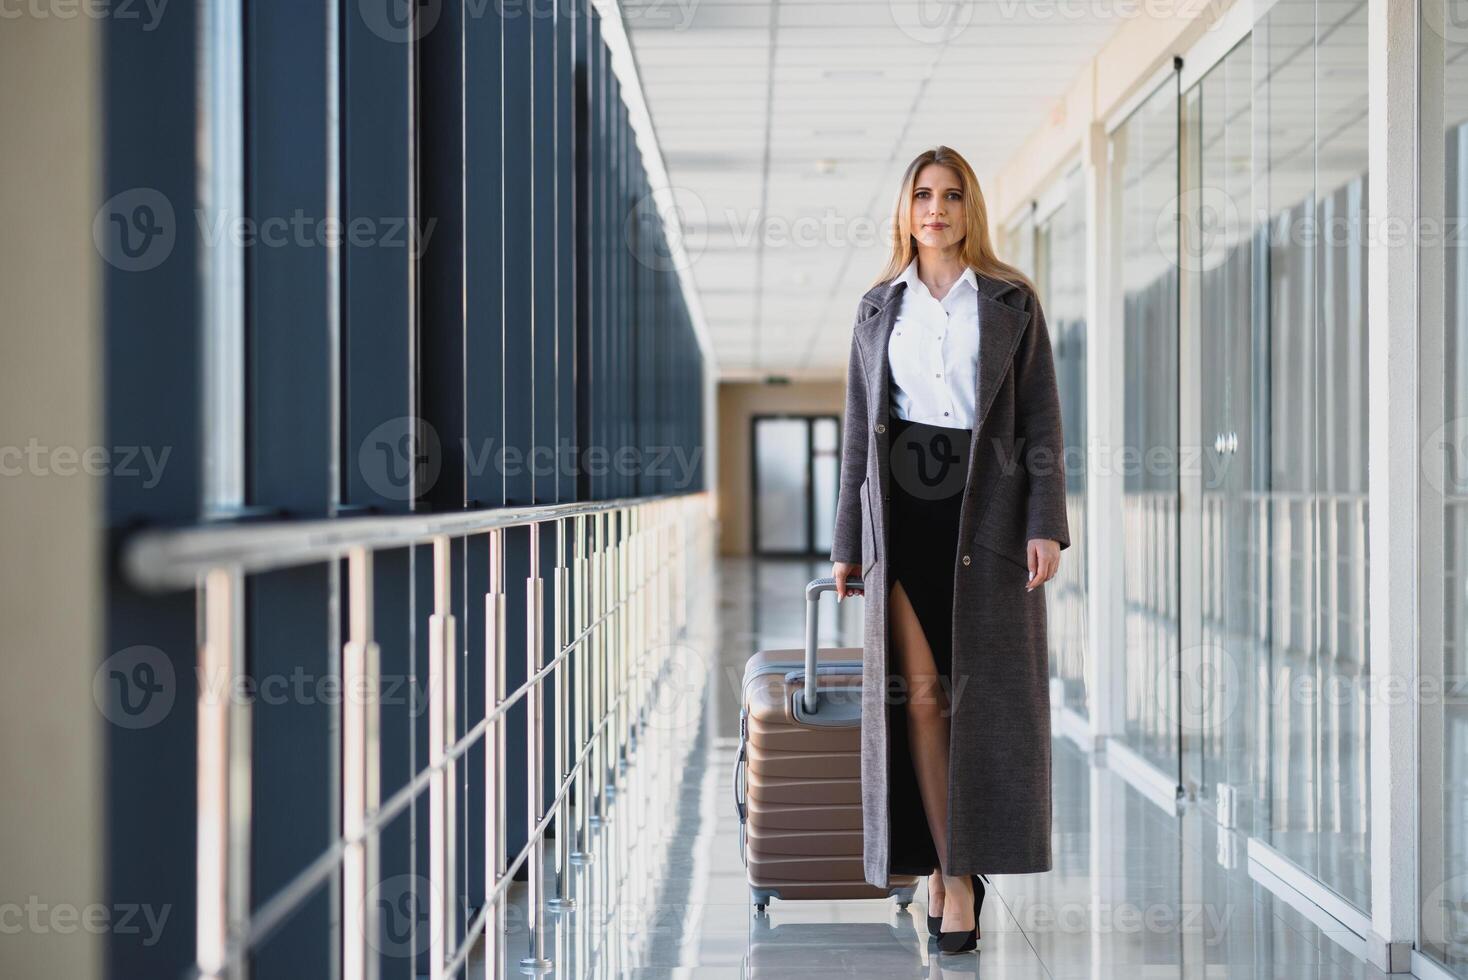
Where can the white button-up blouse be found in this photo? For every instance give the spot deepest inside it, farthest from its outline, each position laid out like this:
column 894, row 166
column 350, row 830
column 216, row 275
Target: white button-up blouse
column 933, row 352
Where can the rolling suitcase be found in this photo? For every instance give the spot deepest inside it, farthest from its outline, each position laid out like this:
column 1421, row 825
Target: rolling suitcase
column 797, row 777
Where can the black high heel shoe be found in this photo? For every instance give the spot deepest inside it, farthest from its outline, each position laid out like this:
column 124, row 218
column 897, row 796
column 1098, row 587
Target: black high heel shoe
column 966, row 940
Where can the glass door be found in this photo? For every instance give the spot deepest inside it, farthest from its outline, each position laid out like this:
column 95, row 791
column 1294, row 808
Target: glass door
column 1144, row 167
column 794, row 477
column 1221, row 707
column 1060, row 271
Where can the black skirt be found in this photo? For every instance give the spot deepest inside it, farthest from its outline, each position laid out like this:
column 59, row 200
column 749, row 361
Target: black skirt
column 929, row 469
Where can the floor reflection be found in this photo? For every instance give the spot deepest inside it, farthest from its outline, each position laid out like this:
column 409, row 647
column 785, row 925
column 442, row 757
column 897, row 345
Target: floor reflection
column 1135, row 893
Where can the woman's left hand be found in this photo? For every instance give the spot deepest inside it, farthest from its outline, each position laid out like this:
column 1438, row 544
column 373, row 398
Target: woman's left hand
column 1044, row 555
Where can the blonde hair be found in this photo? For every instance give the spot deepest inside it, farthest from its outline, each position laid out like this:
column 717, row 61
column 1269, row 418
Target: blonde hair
column 977, row 248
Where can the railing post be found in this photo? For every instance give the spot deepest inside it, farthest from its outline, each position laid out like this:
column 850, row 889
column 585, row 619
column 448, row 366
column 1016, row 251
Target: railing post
column 441, row 784
column 561, row 901
column 360, row 787
column 627, row 635
column 535, row 758
column 616, row 655
column 596, row 758
column 494, row 745
column 222, row 780
column 581, row 605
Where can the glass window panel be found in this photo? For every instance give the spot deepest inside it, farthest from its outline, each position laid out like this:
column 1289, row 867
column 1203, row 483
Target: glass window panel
column 1060, row 268
column 1144, row 154
column 1310, row 152
column 1443, row 839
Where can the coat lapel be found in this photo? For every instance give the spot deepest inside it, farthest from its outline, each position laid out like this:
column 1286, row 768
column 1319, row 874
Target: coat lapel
column 1000, row 328
column 874, row 332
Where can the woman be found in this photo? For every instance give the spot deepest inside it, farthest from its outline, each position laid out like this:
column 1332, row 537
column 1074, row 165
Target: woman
column 952, row 509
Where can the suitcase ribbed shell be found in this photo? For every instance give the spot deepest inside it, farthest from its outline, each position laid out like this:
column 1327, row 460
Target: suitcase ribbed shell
column 802, row 783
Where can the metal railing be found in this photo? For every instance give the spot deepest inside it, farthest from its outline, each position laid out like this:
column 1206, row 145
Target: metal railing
column 618, row 593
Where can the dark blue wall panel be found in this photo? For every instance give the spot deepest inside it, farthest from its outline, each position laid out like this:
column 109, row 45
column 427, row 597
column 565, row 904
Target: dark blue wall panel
column 292, row 351
column 528, row 311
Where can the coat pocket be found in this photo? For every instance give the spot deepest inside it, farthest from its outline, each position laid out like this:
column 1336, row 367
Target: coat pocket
column 1002, row 529
column 1020, row 556
column 868, row 532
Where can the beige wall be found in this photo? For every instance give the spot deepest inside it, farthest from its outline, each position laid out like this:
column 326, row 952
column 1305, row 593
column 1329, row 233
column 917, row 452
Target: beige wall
column 50, row 559
column 738, row 401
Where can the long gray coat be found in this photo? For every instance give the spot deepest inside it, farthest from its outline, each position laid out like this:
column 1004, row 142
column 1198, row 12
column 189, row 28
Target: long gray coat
column 999, row 760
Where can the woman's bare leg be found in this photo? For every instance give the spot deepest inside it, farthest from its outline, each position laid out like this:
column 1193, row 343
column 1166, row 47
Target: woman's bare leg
column 927, row 734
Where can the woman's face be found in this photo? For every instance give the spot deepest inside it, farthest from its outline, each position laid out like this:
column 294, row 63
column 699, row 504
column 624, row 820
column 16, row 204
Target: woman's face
column 937, row 207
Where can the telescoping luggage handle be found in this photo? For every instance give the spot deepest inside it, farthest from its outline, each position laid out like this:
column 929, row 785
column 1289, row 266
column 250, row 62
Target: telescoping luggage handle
column 812, row 611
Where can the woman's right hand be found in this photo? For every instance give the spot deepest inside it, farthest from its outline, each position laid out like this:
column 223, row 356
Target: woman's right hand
column 840, row 571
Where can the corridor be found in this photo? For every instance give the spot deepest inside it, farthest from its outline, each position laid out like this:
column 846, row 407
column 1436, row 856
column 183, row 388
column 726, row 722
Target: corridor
column 1136, row 893
column 414, row 414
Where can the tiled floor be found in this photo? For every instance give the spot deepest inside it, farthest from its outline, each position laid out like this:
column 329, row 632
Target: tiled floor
column 1135, row 893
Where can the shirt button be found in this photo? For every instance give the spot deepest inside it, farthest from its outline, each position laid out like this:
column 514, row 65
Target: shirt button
column 965, row 559
column 945, row 413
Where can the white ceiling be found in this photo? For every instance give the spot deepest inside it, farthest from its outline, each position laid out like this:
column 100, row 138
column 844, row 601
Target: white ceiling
column 805, row 112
